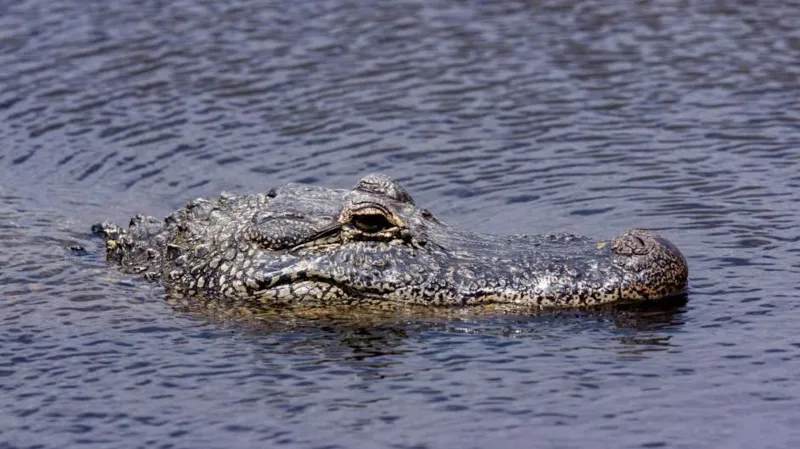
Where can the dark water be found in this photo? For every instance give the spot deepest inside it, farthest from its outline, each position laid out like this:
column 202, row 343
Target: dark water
column 502, row 117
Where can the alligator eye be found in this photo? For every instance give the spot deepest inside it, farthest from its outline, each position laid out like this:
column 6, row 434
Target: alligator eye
column 371, row 223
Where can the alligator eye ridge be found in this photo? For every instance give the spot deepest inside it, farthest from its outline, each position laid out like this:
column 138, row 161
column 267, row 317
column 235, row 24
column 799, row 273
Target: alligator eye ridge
column 371, row 223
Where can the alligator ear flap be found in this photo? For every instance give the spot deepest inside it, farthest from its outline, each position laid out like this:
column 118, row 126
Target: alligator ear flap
column 326, row 235
column 288, row 235
column 326, row 232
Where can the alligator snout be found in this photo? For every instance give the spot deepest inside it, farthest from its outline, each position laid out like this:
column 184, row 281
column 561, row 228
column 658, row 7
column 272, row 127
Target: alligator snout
column 636, row 242
column 654, row 267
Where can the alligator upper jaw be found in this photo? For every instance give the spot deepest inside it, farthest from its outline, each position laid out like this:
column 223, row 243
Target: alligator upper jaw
column 316, row 288
column 653, row 269
column 302, row 282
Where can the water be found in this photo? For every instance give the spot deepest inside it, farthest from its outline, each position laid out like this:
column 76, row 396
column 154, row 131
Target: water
column 502, row 117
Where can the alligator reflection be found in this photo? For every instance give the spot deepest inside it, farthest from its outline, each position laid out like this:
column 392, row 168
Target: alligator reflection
column 367, row 333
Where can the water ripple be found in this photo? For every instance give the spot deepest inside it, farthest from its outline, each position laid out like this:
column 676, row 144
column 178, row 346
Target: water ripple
column 504, row 117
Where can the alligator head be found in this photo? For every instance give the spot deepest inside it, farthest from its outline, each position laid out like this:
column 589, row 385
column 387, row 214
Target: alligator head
column 307, row 245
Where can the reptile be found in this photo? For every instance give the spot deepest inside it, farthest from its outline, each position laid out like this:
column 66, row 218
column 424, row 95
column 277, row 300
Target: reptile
column 305, row 245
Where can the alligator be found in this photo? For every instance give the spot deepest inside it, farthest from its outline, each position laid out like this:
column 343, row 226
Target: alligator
column 304, row 245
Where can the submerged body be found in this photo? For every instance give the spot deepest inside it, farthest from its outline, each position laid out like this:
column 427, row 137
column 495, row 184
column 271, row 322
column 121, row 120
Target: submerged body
column 303, row 245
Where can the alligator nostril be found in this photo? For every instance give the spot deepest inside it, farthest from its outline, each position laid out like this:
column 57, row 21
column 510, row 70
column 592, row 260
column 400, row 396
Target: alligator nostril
column 630, row 244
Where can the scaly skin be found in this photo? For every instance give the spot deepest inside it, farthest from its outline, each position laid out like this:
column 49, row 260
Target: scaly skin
column 302, row 245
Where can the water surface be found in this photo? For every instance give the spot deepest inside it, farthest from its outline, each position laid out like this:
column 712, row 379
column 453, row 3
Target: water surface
column 502, row 117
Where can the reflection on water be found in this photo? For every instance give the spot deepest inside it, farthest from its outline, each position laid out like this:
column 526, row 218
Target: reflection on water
column 500, row 117
column 370, row 333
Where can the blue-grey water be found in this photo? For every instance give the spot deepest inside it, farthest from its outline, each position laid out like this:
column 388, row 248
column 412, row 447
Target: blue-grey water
column 501, row 117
